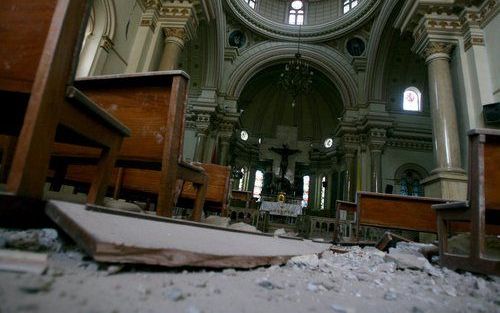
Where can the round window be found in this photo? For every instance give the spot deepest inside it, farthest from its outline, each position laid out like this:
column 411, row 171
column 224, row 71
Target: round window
column 328, row 143
column 297, row 4
column 244, row 135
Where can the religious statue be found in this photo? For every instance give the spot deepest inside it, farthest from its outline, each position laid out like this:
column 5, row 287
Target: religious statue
column 285, row 152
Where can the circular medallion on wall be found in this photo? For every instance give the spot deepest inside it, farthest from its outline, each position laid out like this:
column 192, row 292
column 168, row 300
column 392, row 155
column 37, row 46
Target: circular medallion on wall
column 355, row 46
column 237, row 39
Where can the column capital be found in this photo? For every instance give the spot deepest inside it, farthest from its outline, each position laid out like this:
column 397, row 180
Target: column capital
column 106, row 43
column 437, row 50
column 175, row 32
column 201, row 122
column 377, row 137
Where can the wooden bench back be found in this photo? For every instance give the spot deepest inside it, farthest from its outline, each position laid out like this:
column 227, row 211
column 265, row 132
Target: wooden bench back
column 492, row 172
column 395, row 211
column 218, row 184
column 144, row 103
column 24, row 25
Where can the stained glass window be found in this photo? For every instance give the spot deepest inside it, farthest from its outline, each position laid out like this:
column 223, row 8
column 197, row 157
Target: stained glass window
column 251, row 3
column 242, row 180
column 259, row 182
column 412, row 99
column 296, row 13
column 349, row 5
column 323, row 193
column 305, row 194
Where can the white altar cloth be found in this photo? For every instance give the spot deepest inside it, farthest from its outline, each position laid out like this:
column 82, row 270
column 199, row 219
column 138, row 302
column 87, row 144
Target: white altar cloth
column 280, row 208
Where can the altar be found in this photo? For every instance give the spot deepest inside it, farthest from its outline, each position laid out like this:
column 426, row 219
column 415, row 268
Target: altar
column 281, row 208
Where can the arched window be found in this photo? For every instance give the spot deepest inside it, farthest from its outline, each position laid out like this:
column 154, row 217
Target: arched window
column 349, row 5
column 296, row 13
column 412, row 99
column 251, row 3
column 259, row 182
column 323, row 193
column 241, row 183
column 408, row 177
column 305, row 194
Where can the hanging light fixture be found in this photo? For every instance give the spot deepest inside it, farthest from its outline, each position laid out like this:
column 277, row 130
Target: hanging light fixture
column 296, row 79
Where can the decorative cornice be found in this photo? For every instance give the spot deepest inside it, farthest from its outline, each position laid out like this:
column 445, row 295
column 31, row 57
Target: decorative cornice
column 448, row 21
column 148, row 21
column 410, row 143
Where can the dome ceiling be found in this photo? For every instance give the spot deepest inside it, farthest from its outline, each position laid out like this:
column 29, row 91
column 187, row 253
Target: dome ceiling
column 323, row 21
column 265, row 105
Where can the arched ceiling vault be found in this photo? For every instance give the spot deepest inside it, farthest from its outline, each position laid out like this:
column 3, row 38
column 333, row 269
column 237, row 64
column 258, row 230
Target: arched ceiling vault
column 335, row 27
column 265, row 105
column 333, row 64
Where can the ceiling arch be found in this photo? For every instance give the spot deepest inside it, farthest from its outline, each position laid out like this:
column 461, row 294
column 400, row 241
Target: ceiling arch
column 333, row 64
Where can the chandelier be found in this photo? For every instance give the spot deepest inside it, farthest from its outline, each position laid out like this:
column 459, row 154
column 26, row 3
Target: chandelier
column 296, row 79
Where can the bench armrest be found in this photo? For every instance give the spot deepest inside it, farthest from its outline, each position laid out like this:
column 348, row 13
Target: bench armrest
column 459, row 205
column 79, row 99
column 191, row 166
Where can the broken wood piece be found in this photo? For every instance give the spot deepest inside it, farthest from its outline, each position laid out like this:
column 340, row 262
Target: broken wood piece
column 338, row 250
column 22, row 261
column 389, row 240
column 127, row 237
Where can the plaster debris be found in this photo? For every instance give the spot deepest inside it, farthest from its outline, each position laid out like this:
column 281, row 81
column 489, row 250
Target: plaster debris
column 360, row 280
column 45, row 239
column 305, row 261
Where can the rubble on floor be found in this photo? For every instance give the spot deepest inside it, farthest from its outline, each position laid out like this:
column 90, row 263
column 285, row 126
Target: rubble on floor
column 360, row 280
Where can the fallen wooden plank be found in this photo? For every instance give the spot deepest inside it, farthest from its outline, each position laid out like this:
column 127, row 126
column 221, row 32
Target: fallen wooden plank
column 389, row 240
column 22, row 261
column 112, row 236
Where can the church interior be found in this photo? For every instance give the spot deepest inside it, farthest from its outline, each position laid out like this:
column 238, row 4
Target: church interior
column 250, row 156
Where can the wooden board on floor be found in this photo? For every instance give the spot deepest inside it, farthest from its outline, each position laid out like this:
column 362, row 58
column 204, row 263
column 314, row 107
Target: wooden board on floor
column 23, row 261
column 113, row 236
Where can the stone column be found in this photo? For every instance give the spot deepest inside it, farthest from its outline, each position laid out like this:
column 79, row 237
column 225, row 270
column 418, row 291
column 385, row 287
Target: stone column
column 174, row 43
column 376, row 144
column 201, row 137
column 448, row 180
column 142, row 39
column 312, row 191
column 376, row 169
column 202, row 125
column 350, row 178
column 251, row 179
column 224, row 149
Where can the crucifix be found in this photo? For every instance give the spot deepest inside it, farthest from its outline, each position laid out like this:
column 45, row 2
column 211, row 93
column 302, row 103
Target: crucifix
column 285, row 152
column 285, row 167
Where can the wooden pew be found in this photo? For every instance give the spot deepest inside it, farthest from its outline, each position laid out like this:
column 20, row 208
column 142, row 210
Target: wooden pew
column 39, row 43
column 393, row 212
column 153, row 105
column 217, row 194
column 7, row 148
column 481, row 212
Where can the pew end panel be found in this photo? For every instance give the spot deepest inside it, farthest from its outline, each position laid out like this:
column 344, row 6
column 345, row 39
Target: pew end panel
column 152, row 105
column 39, row 60
column 479, row 216
column 217, row 193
